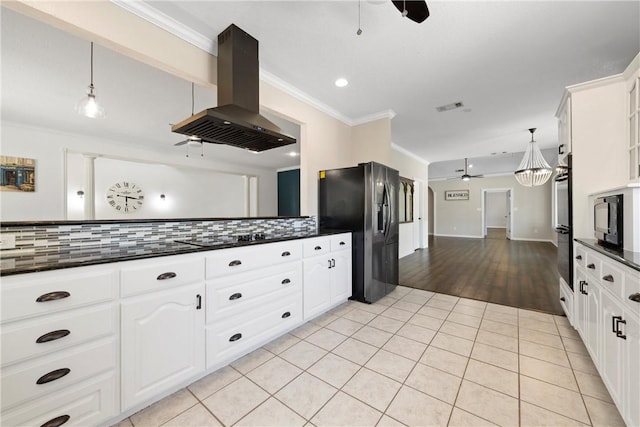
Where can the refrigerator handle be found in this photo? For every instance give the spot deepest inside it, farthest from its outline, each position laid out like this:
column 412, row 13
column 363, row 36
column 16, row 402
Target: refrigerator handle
column 387, row 205
column 382, row 213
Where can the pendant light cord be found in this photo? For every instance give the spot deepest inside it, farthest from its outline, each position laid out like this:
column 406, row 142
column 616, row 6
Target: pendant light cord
column 192, row 97
column 91, row 68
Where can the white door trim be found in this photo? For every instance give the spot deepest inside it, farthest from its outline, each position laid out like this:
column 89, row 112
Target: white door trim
column 484, row 191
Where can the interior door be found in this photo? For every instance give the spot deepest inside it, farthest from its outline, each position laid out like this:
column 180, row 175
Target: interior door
column 508, row 216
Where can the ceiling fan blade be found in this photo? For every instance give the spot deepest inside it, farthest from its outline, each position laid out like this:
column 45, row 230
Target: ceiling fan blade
column 416, row 10
column 477, row 176
column 177, row 144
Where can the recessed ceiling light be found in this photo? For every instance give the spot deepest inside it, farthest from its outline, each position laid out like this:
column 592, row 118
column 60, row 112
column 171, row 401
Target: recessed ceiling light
column 470, row 165
column 294, row 154
column 342, row 82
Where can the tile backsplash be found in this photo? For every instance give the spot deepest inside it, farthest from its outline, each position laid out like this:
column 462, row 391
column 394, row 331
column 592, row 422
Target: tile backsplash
column 47, row 238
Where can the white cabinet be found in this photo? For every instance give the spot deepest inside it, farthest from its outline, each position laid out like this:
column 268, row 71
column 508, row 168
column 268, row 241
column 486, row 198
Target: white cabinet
column 633, row 120
column 162, row 332
column 162, row 341
column 564, row 126
column 59, row 347
column 254, row 294
column 608, row 322
column 327, row 277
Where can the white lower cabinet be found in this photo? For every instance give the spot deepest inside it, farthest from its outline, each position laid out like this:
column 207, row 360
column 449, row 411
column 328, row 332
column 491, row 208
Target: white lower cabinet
column 162, row 341
column 327, row 277
column 608, row 323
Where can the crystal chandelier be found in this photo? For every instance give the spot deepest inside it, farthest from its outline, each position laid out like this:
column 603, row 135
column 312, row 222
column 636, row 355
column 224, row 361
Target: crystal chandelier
column 534, row 169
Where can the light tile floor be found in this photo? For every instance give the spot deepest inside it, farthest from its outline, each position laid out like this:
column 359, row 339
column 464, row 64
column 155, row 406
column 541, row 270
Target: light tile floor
column 414, row 358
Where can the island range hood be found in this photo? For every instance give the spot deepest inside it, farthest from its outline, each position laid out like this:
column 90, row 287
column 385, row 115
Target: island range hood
column 236, row 121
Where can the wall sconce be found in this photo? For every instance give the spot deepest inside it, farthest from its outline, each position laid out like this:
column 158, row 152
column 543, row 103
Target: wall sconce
column 162, row 196
column 80, row 193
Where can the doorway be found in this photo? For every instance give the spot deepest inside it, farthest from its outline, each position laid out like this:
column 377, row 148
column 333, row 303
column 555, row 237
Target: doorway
column 497, row 213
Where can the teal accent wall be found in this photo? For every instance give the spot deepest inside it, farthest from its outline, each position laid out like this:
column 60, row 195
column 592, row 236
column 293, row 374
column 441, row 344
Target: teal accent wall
column 289, row 193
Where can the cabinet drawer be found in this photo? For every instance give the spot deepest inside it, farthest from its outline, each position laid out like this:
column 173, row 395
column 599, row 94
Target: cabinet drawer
column 612, row 278
column 229, row 296
column 35, row 337
column 159, row 274
column 593, row 264
column 566, row 300
column 580, row 256
column 230, row 339
column 34, row 294
column 88, row 404
column 237, row 260
column 316, row 246
column 20, row 381
column 340, row 242
column 631, row 294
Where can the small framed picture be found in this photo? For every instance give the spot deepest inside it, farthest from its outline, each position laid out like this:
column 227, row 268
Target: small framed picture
column 17, row 174
column 456, row 195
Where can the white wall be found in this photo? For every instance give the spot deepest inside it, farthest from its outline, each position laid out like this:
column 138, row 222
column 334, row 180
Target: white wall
column 496, row 209
column 531, row 208
column 48, row 148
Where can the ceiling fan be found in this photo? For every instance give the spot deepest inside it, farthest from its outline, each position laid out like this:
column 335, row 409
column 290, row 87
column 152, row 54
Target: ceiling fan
column 466, row 176
column 417, row 10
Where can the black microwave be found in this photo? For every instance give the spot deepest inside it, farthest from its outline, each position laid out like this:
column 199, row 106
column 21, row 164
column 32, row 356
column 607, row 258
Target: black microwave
column 607, row 221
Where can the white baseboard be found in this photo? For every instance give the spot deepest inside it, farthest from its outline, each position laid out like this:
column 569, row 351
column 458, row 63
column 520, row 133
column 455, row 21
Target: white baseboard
column 504, row 228
column 460, row 235
column 524, row 239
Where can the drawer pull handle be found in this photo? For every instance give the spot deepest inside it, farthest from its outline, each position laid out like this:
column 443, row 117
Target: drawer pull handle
column 52, row 296
column 342, row 243
column 235, row 262
column 52, row 336
column 235, row 337
column 53, row 375
column 635, row 297
column 608, row 278
column 235, row 296
column 165, row 276
column 57, row 421
column 317, row 248
column 562, row 299
column 591, row 266
column 286, row 314
column 199, row 305
column 286, row 281
column 286, row 253
column 579, row 257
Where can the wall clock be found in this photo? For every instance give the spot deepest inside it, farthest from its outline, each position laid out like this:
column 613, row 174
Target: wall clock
column 125, row 197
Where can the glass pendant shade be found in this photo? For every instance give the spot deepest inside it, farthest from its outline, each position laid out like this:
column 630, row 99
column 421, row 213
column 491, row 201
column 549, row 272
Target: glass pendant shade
column 88, row 106
column 534, row 169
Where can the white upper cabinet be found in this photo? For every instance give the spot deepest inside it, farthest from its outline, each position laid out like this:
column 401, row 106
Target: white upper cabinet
column 633, row 123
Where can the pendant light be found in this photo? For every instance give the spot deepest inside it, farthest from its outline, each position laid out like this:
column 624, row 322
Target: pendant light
column 534, row 169
column 88, row 106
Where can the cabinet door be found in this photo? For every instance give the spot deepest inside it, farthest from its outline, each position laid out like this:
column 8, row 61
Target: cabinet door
column 341, row 276
column 613, row 346
column 317, row 286
column 580, row 306
column 632, row 354
column 592, row 315
column 162, row 341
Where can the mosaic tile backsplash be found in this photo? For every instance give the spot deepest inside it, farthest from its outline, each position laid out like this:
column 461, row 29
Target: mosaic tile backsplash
column 65, row 237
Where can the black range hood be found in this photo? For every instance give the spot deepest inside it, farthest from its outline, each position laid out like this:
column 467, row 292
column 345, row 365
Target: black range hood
column 236, row 121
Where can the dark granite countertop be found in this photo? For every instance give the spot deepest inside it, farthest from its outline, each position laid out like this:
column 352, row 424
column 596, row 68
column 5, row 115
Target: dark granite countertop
column 628, row 258
column 93, row 255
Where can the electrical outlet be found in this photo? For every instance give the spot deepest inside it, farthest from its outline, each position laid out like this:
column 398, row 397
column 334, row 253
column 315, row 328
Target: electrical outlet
column 7, row 241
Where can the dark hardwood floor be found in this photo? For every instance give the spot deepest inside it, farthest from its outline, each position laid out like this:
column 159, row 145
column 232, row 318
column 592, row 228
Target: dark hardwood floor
column 515, row 273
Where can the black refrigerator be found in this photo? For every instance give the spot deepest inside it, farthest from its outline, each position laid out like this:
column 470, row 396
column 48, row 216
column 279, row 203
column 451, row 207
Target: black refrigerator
column 364, row 200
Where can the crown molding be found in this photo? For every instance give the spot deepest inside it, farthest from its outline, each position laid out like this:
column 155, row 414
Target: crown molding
column 278, row 83
column 385, row 114
column 162, row 20
column 406, row 152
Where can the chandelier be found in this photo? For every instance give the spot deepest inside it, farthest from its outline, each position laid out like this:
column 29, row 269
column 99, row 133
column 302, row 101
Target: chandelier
column 534, row 169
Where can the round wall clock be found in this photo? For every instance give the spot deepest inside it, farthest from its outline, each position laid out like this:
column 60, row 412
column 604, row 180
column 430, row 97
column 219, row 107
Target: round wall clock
column 125, row 197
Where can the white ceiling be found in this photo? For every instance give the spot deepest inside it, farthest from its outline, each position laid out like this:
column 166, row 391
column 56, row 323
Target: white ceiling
column 507, row 61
